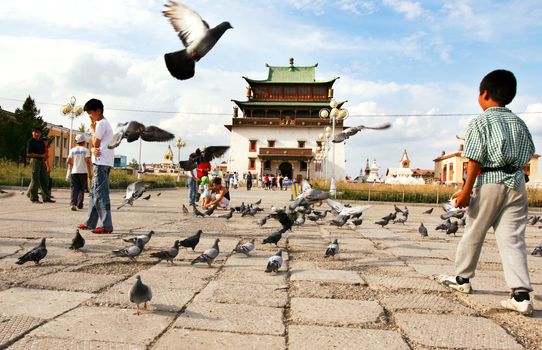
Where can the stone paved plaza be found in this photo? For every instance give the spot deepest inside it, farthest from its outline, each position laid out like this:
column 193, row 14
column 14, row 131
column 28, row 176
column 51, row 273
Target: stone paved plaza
column 379, row 293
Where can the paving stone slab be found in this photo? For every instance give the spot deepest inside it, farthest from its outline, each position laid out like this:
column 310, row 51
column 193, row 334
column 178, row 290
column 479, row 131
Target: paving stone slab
column 340, row 312
column 38, row 303
column 243, row 293
column 106, row 324
column 336, row 276
column 232, row 318
column 12, row 327
column 424, row 302
column 253, row 276
column 455, row 331
column 33, row 343
column 325, row 338
column 74, row 281
column 197, row 340
column 394, row 283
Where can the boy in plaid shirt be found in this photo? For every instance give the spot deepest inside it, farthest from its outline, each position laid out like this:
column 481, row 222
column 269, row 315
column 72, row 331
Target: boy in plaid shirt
column 498, row 144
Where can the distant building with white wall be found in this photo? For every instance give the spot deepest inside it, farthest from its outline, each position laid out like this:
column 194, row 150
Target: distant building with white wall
column 278, row 128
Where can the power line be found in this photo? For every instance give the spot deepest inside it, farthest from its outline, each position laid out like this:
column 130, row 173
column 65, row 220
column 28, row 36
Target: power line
column 400, row 115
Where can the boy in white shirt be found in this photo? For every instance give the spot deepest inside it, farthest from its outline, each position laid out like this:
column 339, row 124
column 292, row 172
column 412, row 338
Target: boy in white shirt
column 80, row 167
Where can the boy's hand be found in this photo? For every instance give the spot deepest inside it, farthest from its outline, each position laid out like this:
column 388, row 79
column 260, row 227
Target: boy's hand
column 462, row 198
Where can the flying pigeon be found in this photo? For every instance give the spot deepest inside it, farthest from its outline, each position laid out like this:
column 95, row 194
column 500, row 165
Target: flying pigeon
column 309, row 195
column 300, row 220
column 35, row 254
column 262, row 221
column 344, row 135
column 422, row 230
column 159, row 193
column 169, row 254
column 202, row 156
column 192, row 241
column 228, row 215
column 208, row 255
column 132, row 131
column 144, row 238
column 429, row 211
column 78, row 241
column 332, row 249
column 275, row 262
column 397, row 209
column 342, row 209
column 130, row 252
column 245, row 248
column 185, row 210
column 196, row 36
column 134, row 191
column 258, row 202
column 451, row 211
column 140, row 293
column 339, row 221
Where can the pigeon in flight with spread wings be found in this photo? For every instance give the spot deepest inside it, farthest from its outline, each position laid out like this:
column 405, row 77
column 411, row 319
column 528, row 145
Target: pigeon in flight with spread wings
column 344, row 135
column 132, row 131
column 196, row 36
column 202, row 156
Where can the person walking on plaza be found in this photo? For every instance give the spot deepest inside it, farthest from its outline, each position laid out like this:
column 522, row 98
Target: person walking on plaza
column 36, row 151
column 80, row 168
column 192, row 186
column 498, row 144
column 102, row 160
column 249, row 181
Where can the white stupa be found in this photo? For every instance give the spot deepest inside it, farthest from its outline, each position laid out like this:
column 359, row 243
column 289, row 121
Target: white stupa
column 374, row 177
column 403, row 174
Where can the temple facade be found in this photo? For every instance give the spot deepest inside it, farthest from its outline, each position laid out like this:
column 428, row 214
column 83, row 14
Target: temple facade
column 403, row 175
column 276, row 129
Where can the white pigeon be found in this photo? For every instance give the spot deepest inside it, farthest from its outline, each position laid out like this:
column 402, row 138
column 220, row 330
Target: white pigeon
column 343, row 210
column 275, row 262
column 245, row 248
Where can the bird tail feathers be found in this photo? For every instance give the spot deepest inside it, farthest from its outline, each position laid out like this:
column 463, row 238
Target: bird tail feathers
column 180, row 64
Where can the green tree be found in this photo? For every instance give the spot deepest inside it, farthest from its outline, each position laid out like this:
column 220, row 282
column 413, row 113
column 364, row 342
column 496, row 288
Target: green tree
column 15, row 132
column 133, row 164
column 83, row 128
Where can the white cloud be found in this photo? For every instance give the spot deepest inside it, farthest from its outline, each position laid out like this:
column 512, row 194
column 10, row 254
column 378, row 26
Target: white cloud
column 410, row 9
column 533, row 118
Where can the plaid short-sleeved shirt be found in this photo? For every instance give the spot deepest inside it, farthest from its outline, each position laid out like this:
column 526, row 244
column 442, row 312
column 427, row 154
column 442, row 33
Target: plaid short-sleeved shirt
column 498, row 138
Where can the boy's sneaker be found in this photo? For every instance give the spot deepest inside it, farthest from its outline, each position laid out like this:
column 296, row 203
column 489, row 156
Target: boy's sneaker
column 451, row 282
column 84, row 227
column 100, row 230
column 524, row 307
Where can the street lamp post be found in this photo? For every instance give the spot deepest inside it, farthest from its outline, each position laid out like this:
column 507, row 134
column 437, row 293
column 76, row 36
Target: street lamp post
column 72, row 112
column 335, row 113
column 180, row 144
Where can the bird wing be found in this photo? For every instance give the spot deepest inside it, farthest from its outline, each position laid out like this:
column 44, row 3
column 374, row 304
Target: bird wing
column 133, row 131
column 212, row 152
column 130, row 190
column 354, row 210
column 115, row 141
column 188, row 165
column 337, row 206
column 340, row 137
column 155, row 134
column 379, row 127
column 190, row 26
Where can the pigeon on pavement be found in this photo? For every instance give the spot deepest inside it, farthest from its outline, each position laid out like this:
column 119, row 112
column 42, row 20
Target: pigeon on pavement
column 428, row 211
column 133, row 192
column 537, row 251
column 140, row 293
column 78, row 241
column 382, row 222
column 355, row 222
column 339, row 221
column 144, row 238
column 147, row 197
column 258, row 202
column 274, row 237
column 245, row 248
column 228, row 215
column 275, row 262
column 132, row 131
column 344, row 135
column 185, row 210
column 211, row 210
column 192, row 241
column 423, row 230
column 453, row 228
column 35, row 254
column 444, row 226
column 196, row 211
column 196, row 36
column 332, row 249
column 131, row 252
column 169, row 254
column 208, row 255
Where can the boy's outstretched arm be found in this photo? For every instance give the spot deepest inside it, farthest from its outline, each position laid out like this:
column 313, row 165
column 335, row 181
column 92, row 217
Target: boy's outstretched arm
column 462, row 198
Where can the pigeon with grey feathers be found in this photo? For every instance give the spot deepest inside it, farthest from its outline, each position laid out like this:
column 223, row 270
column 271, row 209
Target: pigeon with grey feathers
column 196, row 36
column 78, row 241
column 245, row 248
column 228, row 215
column 169, row 254
column 347, row 133
column 428, row 211
column 332, row 249
column 208, row 255
column 144, row 238
column 134, row 191
column 140, row 293
column 130, row 252
column 132, row 131
column 537, row 251
column 274, row 263
column 35, row 254
column 422, row 230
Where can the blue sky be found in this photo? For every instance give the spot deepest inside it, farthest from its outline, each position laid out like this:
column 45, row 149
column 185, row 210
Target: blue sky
column 393, row 57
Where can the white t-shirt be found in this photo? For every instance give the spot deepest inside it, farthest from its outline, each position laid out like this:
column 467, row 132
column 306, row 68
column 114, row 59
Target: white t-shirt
column 104, row 133
column 79, row 154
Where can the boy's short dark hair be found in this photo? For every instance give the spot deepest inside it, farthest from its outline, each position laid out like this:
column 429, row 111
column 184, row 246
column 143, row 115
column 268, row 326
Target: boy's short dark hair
column 93, row 105
column 217, row 181
column 500, row 85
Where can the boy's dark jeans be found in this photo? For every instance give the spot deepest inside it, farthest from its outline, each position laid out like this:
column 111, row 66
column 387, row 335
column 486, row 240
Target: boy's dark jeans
column 78, row 185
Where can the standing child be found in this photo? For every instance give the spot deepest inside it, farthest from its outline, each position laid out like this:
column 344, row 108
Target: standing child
column 80, row 167
column 498, row 145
